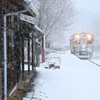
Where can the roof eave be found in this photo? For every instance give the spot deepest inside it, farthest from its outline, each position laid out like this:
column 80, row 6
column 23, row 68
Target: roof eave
column 32, row 10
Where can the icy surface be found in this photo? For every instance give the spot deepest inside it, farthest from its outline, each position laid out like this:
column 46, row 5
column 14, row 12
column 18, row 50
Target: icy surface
column 75, row 80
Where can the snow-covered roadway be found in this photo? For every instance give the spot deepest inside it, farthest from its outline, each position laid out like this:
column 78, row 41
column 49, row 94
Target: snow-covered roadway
column 75, row 80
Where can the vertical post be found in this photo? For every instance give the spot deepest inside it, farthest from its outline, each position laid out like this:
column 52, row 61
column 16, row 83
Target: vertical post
column 18, row 58
column 28, row 53
column 19, row 47
column 43, row 48
column 22, row 55
column 1, row 78
column 5, row 60
column 32, row 52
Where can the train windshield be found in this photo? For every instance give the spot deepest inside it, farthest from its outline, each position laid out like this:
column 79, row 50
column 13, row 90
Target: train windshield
column 83, row 41
column 77, row 41
column 89, row 41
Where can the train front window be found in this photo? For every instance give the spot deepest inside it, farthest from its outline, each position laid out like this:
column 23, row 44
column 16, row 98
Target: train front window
column 89, row 41
column 82, row 41
column 77, row 41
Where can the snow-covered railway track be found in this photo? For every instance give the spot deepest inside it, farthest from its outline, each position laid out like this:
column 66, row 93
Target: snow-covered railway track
column 94, row 63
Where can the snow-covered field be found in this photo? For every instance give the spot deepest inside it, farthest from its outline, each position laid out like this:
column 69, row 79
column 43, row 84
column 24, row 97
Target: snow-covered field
column 75, row 79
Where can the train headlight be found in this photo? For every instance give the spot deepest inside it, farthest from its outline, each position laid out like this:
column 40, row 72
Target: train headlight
column 77, row 36
column 89, row 36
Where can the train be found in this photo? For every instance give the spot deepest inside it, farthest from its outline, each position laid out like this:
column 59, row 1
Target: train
column 82, row 45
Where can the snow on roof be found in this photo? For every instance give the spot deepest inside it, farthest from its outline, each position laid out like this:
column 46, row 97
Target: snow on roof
column 30, row 20
column 37, row 28
column 27, row 18
column 32, row 9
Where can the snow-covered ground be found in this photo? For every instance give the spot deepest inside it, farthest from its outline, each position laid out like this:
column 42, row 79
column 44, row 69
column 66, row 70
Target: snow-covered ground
column 75, row 79
column 96, row 58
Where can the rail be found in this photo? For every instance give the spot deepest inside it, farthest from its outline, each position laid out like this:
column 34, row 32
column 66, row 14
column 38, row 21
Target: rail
column 94, row 63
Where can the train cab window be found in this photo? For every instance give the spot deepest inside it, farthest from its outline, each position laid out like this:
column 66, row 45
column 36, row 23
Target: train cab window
column 89, row 42
column 77, row 42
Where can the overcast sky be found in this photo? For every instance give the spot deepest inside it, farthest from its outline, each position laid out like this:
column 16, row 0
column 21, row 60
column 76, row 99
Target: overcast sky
column 88, row 5
column 89, row 12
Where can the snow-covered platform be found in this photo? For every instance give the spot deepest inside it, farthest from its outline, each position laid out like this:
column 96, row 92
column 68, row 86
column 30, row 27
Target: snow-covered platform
column 76, row 79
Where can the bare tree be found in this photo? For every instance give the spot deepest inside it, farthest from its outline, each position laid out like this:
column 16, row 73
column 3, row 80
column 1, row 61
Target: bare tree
column 55, row 16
